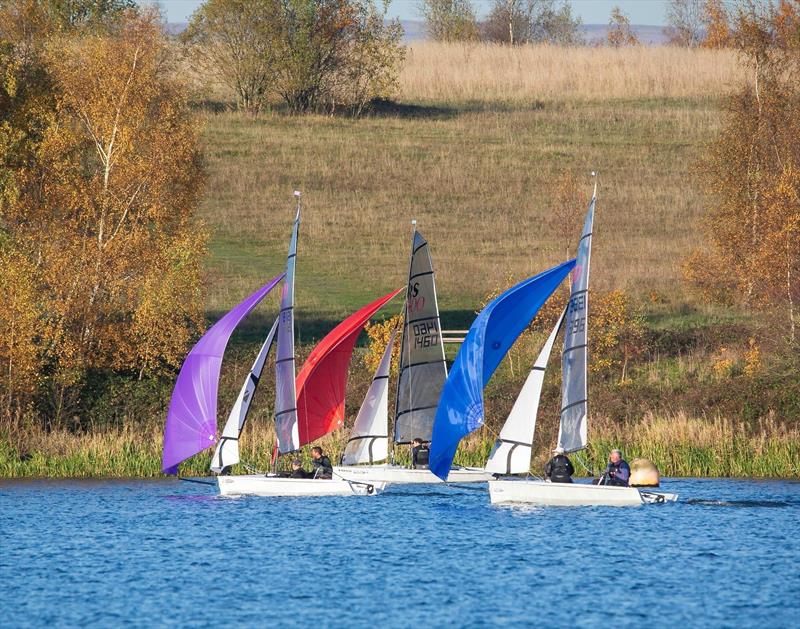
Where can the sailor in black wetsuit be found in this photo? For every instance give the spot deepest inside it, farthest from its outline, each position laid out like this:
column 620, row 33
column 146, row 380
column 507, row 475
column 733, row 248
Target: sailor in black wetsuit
column 323, row 468
column 559, row 469
column 419, row 455
column 298, row 471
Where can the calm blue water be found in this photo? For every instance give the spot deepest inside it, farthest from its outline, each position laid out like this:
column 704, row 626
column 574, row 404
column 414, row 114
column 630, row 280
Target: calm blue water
column 144, row 553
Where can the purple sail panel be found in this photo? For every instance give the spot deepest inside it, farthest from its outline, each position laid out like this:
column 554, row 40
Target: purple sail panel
column 192, row 415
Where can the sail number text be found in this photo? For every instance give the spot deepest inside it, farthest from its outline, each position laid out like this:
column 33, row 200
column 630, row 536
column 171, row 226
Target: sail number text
column 425, row 334
column 577, row 324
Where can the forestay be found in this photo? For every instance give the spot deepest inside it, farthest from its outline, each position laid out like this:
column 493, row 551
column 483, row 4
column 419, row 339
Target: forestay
column 192, row 415
column 422, row 365
column 285, row 392
column 572, row 433
column 369, row 441
column 227, row 452
column 511, row 453
column 490, row 337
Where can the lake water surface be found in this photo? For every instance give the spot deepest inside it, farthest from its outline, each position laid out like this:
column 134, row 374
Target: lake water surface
column 148, row 553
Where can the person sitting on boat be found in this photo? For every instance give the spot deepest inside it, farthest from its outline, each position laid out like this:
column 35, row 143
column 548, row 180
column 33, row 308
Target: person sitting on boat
column 323, row 468
column 559, row 469
column 297, row 470
column 617, row 472
column 419, row 454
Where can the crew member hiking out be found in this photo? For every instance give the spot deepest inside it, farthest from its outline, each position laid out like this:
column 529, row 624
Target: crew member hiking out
column 323, row 468
column 559, row 469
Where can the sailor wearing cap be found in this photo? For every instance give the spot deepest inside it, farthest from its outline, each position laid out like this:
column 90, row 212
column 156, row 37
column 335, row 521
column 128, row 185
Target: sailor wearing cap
column 559, row 469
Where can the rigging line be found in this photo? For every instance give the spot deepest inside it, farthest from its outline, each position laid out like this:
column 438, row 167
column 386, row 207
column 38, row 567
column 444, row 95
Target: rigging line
column 196, row 480
column 583, row 465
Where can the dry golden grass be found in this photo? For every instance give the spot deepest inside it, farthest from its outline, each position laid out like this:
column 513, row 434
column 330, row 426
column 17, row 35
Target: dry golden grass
column 479, row 183
column 678, row 444
column 472, row 152
column 466, row 72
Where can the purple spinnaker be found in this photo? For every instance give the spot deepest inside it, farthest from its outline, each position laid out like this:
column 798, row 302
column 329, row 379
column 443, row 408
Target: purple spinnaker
column 192, row 415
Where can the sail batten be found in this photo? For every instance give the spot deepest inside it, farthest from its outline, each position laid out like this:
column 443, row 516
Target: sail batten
column 322, row 380
column 227, row 452
column 423, row 369
column 572, row 432
column 511, row 453
column 488, row 340
column 285, row 391
column 369, row 440
column 191, row 425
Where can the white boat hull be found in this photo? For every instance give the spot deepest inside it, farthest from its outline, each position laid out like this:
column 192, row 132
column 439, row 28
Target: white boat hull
column 403, row 475
column 572, row 494
column 260, row 485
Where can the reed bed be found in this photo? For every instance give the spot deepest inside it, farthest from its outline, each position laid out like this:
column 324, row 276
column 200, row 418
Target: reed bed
column 481, row 71
column 679, row 445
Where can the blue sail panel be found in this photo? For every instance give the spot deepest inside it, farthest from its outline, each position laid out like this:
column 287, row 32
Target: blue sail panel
column 490, row 337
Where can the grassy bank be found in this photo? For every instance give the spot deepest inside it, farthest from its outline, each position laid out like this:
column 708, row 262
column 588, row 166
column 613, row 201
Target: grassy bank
column 679, row 446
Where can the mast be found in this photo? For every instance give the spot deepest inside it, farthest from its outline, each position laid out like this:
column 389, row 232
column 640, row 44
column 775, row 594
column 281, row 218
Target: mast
column 285, row 392
column 423, row 369
column 572, row 432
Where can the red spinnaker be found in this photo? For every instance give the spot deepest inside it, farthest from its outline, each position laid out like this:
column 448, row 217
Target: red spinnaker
column 322, row 381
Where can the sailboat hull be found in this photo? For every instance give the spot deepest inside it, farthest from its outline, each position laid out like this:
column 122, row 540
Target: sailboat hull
column 260, row 485
column 402, row 475
column 572, row 494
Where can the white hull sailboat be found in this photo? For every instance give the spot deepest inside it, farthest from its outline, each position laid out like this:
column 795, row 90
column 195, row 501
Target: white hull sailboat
column 540, row 492
column 269, row 485
column 305, row 409
column 396, row 474
column 422, row 373
column 489, row 338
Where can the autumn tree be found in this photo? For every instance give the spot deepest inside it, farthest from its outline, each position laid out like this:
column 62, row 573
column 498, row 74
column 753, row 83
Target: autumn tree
column 531, row 21
column 102, row 214
column 318, row 42
column 752, row 174
column 717, row 26
column 684, row 22
column 450, row 20
column 619, row 30
column 312, row 54
column 233, row 40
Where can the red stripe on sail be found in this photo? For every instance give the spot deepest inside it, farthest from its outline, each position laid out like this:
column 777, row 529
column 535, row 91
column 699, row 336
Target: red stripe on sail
column 322, row 381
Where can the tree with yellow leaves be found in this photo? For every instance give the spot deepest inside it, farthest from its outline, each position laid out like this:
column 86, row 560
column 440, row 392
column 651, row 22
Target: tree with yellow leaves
column 105, row 213
column 619, row 30
column 718, row 30
column 752, row 174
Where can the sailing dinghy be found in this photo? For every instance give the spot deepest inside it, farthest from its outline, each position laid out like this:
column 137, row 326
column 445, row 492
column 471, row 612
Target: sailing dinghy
column 191, row 419
column 422, row 375
column 511, row 453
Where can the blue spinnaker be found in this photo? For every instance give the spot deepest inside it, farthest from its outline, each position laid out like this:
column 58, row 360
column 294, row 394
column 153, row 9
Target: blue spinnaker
column 489, row 338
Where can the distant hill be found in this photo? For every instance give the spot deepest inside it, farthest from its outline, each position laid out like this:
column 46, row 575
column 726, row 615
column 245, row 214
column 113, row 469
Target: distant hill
column 414, row 31
column 647, row 33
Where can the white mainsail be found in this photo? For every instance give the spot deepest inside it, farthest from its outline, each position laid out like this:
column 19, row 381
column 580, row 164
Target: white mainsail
column 572, row 433
column 369, row 441
column 422, row 365
column 511, row 453
column 227, row 452
column 285, row 393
